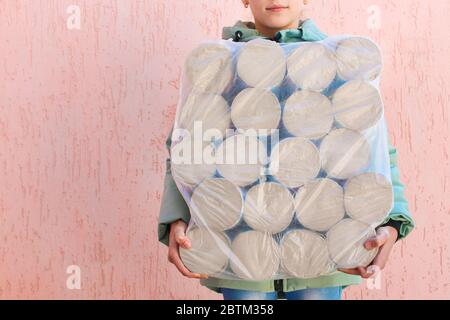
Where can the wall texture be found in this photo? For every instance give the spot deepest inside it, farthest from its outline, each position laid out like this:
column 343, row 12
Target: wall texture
column 84, row 114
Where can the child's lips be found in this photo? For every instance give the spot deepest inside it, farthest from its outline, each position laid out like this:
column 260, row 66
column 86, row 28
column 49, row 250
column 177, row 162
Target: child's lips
column 276, row 9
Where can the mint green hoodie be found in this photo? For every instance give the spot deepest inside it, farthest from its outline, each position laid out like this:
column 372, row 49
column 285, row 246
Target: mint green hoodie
column 173, row 206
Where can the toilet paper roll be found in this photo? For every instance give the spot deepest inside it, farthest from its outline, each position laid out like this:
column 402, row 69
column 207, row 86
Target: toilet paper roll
column 358, row 58
column 344, row 153
column 240, row 159
column 308, row 114
column 320, row 204
column 368, row 197
column 209, row 68
column 255, row 108
column 208, row 253
column 357, row 105
column 312, row 66
column 346, row 244
column 294, row 161
column 304, row 254
column 262, row 64
column 255, row 256
column 268, row 207
column 216, row 204
column 186, row 168
column 210, row 109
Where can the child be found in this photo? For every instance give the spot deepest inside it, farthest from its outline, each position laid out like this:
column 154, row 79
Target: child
column 280, row 21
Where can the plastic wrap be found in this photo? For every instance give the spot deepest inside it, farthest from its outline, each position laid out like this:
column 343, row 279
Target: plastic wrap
column 281, row 153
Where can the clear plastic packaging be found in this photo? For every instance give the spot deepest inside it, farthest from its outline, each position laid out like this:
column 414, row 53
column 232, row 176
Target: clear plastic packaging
column 281, row 153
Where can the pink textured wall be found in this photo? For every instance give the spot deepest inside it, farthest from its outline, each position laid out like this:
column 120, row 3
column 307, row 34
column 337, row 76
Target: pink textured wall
column 84, row 115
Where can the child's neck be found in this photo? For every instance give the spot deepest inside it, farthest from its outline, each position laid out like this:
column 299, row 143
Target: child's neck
column 271, row 32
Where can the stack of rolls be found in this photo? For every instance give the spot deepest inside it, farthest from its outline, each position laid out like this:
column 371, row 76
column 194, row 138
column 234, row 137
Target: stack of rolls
column 346, row 243
column 304, row 254
column 312, row 66
column 303, row 205
column 344, row 153
column 209, row 251
column 209, row 208
column 294, row 161
column 358, row 58
column 241, row 158
column 255, row 255
column 308, row 114
column 262, row 64
column 188, row 170
column 269, row 207
column 208, row 110
column 255, row 108
column 357, row 105
column 368, row 197
column 320, row 204
column 209, row 68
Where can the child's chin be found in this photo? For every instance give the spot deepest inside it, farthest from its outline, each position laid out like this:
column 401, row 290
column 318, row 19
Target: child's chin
column 277, row 22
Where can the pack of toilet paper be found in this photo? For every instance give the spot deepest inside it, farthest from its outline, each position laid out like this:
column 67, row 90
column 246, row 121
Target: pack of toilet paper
column 281, row 153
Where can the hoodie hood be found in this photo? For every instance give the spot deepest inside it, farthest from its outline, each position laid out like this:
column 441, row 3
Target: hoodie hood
column 244, row 31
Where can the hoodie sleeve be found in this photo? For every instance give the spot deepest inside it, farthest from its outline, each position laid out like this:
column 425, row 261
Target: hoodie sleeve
column 173, row 205
column 400, row 216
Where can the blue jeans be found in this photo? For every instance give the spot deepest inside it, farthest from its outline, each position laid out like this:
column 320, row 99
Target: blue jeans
column 331, row 293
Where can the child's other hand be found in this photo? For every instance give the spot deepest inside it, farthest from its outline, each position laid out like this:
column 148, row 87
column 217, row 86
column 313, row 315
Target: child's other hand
column 177, row 238
column 384, row 240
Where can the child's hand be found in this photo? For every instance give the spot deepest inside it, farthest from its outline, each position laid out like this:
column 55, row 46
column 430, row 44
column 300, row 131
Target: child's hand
column 177, row 238
column 385, row 240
